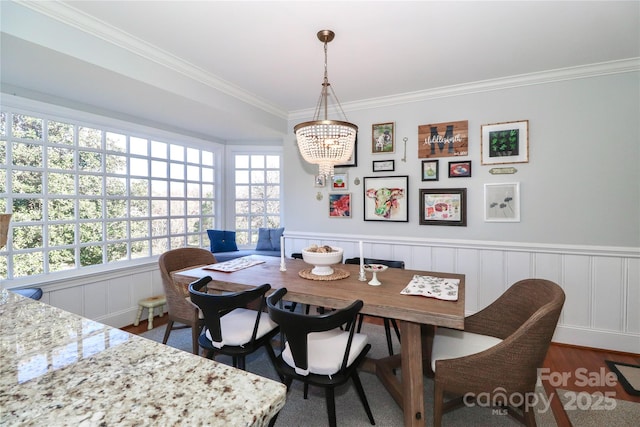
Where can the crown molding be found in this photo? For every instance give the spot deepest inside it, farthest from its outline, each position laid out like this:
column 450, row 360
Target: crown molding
column 530, row 79
column 71, row 16
column 75, row 18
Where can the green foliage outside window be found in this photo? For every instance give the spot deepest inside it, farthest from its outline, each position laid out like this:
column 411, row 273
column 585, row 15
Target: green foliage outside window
column 82, row 196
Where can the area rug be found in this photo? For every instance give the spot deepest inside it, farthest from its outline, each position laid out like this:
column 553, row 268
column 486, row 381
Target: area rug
column 628, row 375
column 597, row 410
column 349, row 412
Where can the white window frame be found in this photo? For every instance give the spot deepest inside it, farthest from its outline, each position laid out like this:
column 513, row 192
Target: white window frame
column 230, row 183
column 13, row 104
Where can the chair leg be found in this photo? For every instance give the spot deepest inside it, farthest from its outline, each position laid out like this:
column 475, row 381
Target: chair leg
column 272, row 357
column 241, row 363
column 287, row 381
column 529, row 413
column 360, row 319
column 387, row 331
column 272, row 422
column 194, row 339
column 395, row 327
column 306, row 391
column 362, row 396
column 331, row 405
column 167, row 331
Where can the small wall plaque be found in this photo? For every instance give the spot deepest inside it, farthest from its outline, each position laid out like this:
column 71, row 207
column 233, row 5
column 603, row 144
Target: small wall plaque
column 502, row 171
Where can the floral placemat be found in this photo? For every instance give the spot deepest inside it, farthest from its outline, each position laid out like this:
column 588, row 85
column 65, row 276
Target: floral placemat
column 234, row 264
column 338, row 274
column 433, row 287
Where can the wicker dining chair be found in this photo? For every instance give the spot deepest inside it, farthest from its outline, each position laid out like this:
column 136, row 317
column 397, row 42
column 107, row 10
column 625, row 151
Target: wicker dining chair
column 499, row 351
column 180, row 308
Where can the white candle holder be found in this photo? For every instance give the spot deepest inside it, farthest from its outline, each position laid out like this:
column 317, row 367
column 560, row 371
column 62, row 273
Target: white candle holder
column 375, row 269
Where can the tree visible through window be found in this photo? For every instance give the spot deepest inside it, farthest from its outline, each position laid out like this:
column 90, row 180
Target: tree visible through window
column 84, row 195
column 257, row 195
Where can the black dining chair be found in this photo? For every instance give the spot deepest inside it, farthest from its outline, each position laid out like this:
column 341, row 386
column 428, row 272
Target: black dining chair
column 230, row 328
column 318, row 352
column 385, row 320
column 293, row 305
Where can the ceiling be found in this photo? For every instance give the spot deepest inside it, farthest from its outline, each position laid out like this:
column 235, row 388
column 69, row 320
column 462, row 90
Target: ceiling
column 239, row 70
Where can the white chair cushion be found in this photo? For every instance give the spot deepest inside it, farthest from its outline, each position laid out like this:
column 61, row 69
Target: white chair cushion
column 200, row 314
column 237, row 327
column 325, row 351
column 452, row 343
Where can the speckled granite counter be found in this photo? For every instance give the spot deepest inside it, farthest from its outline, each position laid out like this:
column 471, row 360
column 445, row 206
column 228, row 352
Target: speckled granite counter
column 57, row 368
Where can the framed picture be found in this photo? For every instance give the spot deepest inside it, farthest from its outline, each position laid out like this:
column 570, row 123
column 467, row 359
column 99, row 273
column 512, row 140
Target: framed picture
column 384, row 165
column 382, row 138
column 460, row 169
column 443, row 206
column 320, row 181
column 443, row 140
column 353, row 160
column 502, row 202
column 429, row 170
column 505, row 143
column 340, row 205
column 386, row 198
column 340, row 181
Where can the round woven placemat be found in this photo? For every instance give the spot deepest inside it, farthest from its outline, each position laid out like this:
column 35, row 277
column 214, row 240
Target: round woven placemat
column 338, row 274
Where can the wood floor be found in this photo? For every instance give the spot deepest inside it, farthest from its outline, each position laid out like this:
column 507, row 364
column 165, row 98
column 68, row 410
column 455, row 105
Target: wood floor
column 584, row 369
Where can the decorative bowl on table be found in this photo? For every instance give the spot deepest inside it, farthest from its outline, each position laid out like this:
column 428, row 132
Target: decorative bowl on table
column 375, row 269
column 322, row 258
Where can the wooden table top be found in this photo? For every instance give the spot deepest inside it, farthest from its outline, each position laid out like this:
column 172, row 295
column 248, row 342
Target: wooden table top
column 384, row 300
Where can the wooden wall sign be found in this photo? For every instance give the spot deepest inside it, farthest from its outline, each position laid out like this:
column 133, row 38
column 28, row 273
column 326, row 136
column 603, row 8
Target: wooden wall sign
column 443, row 140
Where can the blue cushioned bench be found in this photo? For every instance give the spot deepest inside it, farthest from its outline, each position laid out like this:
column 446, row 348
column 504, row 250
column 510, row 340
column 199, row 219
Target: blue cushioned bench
column 226, row 256
column 224, row 247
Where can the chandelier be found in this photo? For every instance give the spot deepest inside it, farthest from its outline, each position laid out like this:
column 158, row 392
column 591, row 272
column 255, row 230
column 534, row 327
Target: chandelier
column 322, row 141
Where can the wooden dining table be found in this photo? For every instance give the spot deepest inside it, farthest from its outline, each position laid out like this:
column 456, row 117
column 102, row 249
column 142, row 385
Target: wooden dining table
column 416, row 314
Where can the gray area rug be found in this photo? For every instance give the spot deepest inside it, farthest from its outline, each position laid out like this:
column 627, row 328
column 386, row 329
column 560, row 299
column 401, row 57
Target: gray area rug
column 587, row 410
column 349, row 410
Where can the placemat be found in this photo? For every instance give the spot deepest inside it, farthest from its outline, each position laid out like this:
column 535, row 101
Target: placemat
column 434, row 287
column 234, row 264
column 338, row 274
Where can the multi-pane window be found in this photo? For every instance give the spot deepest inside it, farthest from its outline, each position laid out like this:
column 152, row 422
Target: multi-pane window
column 84, row 195
column 257, row 195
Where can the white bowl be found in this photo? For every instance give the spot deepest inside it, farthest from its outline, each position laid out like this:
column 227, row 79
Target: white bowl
column 322, row 261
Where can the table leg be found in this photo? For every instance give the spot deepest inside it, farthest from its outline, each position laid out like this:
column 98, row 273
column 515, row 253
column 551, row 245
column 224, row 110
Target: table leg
column 412, row 381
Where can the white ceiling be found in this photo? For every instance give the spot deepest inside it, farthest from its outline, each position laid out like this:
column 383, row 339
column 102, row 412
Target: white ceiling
column 237, row 70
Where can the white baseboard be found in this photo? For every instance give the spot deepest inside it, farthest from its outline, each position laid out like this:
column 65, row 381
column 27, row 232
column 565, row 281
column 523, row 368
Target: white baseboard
column 609, row 340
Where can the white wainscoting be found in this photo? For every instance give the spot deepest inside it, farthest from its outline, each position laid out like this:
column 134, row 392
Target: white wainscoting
column 602, row 284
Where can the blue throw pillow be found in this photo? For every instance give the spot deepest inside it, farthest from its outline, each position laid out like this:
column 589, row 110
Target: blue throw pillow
column 222, row 241
column 269, row 239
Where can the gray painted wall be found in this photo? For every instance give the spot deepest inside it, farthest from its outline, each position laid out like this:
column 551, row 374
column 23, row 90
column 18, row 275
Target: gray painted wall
column 581, row 185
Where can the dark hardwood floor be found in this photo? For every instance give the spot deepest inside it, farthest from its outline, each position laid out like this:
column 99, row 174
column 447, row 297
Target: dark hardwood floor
column 584, row 369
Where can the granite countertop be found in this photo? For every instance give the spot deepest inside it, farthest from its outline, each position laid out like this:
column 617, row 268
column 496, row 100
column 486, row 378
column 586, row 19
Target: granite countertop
column 58, row 368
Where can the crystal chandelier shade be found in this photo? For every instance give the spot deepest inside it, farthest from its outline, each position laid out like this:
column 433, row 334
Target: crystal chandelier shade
column 324, row 142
